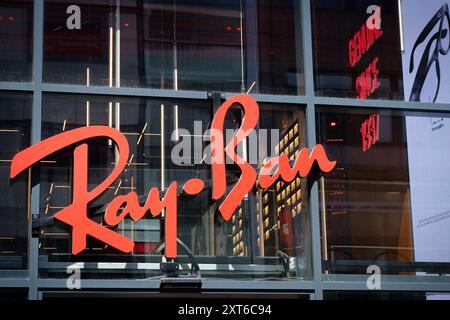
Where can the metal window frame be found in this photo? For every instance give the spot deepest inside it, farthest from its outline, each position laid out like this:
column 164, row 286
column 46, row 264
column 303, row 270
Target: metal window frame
column 319, row 283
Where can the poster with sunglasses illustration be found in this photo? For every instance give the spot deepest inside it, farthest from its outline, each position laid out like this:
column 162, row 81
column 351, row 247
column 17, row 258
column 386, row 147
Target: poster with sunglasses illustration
column 426, row 78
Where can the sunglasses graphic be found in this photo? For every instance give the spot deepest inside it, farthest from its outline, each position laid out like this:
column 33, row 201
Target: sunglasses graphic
column 431, row 54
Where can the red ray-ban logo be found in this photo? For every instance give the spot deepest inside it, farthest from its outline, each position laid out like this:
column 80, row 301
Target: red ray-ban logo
column 128, row 206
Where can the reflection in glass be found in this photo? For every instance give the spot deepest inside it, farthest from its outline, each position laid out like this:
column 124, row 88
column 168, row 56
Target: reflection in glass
column 15, row 123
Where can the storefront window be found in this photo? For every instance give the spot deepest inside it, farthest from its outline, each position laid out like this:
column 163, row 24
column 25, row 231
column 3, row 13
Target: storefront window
column 386, row 203
column 376, row 295
column 268, row 236
column 426, row 56
column 232, row 46
column 13, row 294
column 15, row 123
column 357, row 49
column 16, row 40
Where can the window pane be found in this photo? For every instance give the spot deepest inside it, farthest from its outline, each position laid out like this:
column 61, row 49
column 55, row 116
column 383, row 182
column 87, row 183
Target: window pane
column 15, row 123
column 16, row 40
column 386, row 203
column 275, row 62
column 269, row 230
column 354, row 57
column 229, row 46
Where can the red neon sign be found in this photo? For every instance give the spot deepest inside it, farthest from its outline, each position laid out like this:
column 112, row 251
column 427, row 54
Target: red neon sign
column 367, row 82
column 361, row 42
column 75, row 214
column 370, row 132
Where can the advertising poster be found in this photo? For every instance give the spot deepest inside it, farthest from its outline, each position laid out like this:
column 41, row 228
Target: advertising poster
column 426, row 74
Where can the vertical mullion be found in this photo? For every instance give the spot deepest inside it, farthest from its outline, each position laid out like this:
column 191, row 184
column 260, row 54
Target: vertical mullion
column 250, row 28
column 33, row 243
column 311, row 141
column 307, row 49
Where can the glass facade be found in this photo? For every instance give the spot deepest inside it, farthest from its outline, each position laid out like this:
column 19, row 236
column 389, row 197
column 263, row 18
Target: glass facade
column 16, row 47
column 357, row 77
column 384, row 202
column 150, row 129
column 15, row 133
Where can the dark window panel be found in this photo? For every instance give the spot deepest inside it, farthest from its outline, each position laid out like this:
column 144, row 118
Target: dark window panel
column 15, row 124
column 16, row 40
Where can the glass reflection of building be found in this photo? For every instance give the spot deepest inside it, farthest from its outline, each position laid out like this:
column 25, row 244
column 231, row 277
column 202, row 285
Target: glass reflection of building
column 281, row 205
column 148, row 68
column 151, row 131
column 216, row 46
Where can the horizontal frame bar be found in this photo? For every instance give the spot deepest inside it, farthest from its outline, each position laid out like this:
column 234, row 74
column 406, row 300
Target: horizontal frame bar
column 101, row 284
column 203, row 95
column 269, row 98
column 347, row 283
column 264, row 285
column 130, row 92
